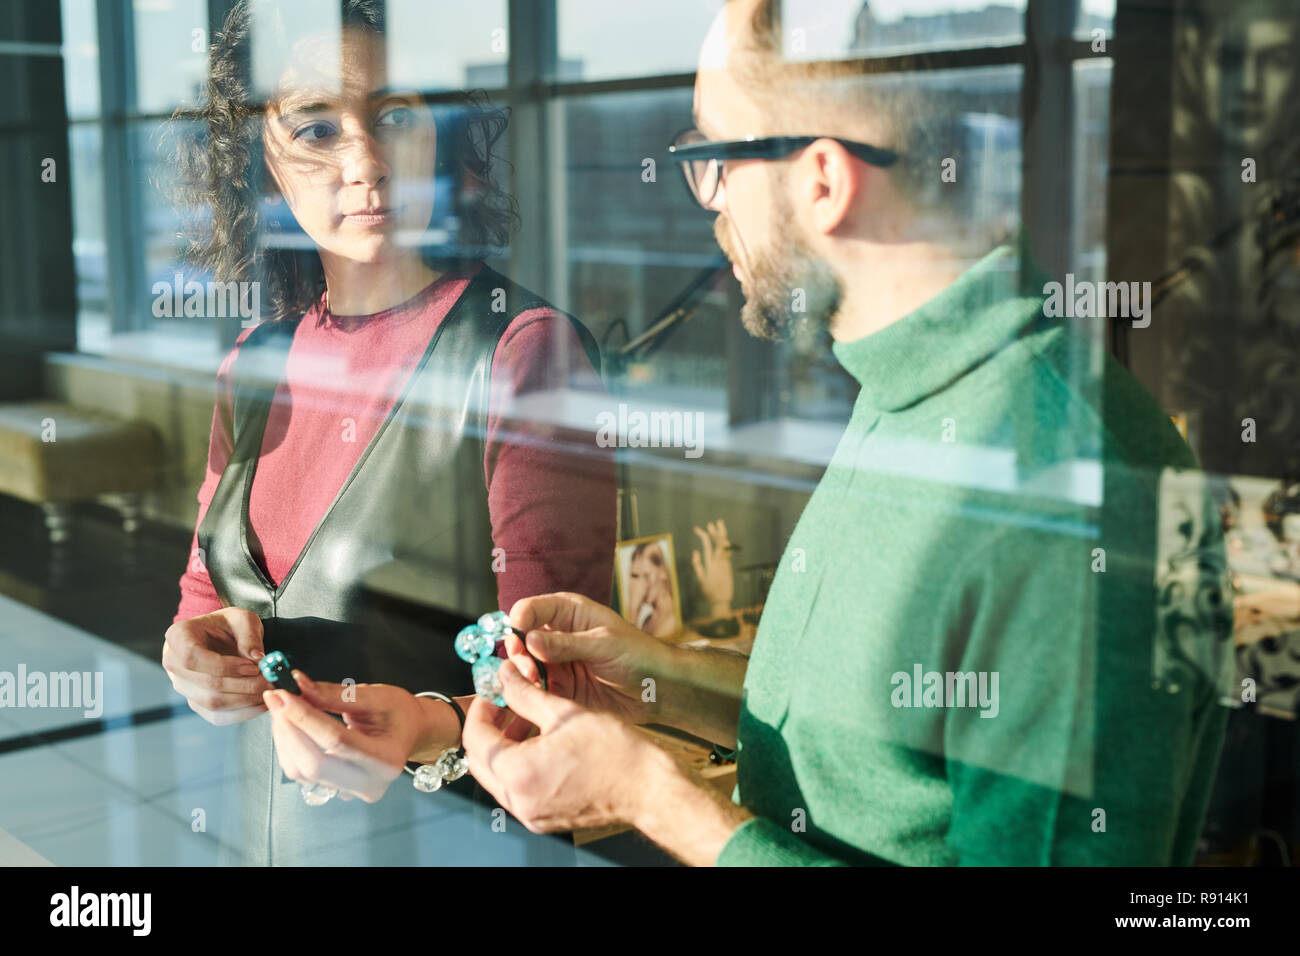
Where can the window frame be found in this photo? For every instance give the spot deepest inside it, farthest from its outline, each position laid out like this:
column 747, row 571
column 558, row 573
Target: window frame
column 535, row 96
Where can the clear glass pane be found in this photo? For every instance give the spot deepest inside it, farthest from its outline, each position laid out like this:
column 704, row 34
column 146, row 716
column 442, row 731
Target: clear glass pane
column 1092, row 159
column 88, row 248
column 1095, row 15
column 636, row 239
column 171, row 53
column 467, row 46
column 275, row 31
column 850, row 28
column 988, row 135
column 29, row 23
column 635, row 244
column 81, row 58
column 155, row 172
column 598, row 43
column 600, row 40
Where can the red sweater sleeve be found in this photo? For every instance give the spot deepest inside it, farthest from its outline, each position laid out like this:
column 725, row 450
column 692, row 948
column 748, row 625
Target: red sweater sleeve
column 551, row 490
column 198, row 596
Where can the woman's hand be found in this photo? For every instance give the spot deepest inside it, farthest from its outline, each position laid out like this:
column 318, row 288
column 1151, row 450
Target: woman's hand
column 592, row 656
column 212, row 662
column 384, row 727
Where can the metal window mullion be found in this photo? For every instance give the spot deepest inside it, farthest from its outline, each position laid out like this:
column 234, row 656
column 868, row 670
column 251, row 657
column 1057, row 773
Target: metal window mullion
column 1137, row 187
column 540, row 250
column 1047, row 125
column 961, row 58
column 533, row 51
column 123, row 226
column 225, row 328
column 539, row 256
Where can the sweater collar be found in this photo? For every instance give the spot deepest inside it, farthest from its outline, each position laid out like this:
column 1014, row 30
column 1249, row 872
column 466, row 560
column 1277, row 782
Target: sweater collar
column 986, row 308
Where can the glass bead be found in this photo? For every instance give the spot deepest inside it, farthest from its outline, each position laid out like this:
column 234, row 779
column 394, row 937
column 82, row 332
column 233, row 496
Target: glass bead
column 496, row 623
column 472, row 643
column 275, row 666
column 487, row 684
column 451, row 766
column 428, row 778
column 317, row 796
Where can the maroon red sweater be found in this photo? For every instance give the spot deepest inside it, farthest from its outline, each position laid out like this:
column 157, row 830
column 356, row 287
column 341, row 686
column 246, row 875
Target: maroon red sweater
column 551, row 512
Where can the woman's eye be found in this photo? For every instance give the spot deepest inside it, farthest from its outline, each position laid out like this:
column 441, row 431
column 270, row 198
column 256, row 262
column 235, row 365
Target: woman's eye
column 398, row 117
column 314, row 132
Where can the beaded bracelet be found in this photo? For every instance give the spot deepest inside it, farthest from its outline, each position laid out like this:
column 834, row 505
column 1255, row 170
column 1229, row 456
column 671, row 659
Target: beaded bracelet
column 449, row 766
column 477, row 646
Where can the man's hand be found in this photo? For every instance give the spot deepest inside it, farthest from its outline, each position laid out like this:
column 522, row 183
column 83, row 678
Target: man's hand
column 583, row 769
column 592, row 656
column 212, row 662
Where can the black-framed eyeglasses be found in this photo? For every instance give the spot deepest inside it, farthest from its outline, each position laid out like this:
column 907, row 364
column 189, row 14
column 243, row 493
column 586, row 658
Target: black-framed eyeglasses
column 702, row 158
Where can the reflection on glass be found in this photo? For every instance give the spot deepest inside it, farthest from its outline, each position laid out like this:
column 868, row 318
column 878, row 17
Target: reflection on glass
column 80, row 58
column 634, row 244
column 1247, row 59
column 601, row 40
column 983, row 135
column 985, row 139
column 472, row 56
column 1092, row 161
column 269, row 23
column 161, row 223
column 171, row 52
column 1232, row 287
column 87, row 175
column 881, row 27
column 408, row 372
column 1095, row 15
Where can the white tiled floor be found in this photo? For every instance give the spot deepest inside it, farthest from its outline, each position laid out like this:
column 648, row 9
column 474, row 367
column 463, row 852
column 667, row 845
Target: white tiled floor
column 127, row 797
column 28, row 637
column 70, row 815
column 13, row 852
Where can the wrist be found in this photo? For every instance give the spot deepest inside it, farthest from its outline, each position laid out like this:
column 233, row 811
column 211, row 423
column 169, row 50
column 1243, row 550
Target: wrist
column 655, row 777
column 682, row 813
column 663, row 665
column 439, row 730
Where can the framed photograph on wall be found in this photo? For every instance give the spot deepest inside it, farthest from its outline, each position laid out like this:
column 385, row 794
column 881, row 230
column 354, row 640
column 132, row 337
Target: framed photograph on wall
column 647, row 584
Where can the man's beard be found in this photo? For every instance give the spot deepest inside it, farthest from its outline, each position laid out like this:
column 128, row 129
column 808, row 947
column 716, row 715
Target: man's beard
column 784, row 284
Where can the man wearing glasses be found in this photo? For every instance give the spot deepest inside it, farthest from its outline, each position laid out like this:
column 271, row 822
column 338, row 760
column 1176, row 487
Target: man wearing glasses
column 971, row 652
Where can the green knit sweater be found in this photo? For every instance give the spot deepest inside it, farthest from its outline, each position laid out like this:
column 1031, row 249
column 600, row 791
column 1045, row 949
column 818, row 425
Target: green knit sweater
column 999, row 633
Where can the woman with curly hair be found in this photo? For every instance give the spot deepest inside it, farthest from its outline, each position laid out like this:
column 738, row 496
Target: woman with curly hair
column 373, row 430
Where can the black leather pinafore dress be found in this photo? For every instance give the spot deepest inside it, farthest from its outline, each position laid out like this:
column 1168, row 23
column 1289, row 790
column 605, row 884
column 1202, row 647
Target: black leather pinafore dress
column 417, row 493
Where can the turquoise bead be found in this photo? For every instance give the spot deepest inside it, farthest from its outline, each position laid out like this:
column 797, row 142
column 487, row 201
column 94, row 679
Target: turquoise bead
column 469, row 643
column 487, row 683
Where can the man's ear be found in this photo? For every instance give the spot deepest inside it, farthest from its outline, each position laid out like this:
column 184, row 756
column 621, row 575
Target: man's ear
column 833, row 180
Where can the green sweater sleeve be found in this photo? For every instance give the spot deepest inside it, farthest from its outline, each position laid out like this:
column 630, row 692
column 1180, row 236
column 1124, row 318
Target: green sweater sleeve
column 761, row 842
